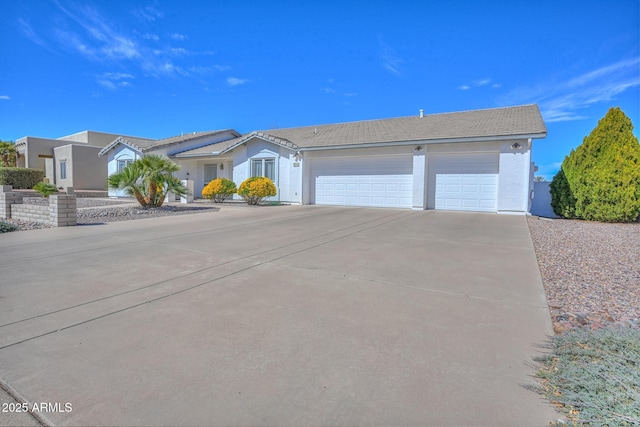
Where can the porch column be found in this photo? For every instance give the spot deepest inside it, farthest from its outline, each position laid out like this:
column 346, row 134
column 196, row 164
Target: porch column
column 419, row 178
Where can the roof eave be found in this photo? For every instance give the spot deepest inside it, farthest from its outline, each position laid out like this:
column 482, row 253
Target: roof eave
column 184, row 156
column 428, row 141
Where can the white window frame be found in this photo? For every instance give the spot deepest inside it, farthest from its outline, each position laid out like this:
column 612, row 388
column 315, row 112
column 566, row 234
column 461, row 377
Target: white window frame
column 261, row 163
column 122, row 164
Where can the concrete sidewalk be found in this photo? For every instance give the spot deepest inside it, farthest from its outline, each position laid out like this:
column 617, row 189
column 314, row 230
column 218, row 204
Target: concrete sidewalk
column 297, row 315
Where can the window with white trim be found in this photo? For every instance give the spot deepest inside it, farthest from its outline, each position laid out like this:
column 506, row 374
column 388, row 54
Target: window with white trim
column 264, row 167
column 123, row 164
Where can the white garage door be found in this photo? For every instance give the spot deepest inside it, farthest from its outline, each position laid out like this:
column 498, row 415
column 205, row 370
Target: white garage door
column 363, row 181
column 464, row 182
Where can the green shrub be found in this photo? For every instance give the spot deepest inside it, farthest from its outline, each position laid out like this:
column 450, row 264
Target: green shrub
column 20, row 178
column 562, row 200
column 602, row 175
column 255, row 189
column 6, row 227
column 45, row 189
column 219, row 190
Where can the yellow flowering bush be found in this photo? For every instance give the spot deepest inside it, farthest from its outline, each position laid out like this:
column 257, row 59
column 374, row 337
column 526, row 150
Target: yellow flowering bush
column 253, row 190
column 219, row 190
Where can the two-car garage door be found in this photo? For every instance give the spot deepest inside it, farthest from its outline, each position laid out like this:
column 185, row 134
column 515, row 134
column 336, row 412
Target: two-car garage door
column 363, row 181
column 466, row 182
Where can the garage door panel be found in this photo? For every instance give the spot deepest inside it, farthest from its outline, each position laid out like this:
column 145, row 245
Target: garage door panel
column 364, row 181
column 463, row 182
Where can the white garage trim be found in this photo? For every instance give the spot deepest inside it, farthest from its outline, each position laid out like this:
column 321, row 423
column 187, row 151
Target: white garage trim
column 464, row 182
column 379, row 181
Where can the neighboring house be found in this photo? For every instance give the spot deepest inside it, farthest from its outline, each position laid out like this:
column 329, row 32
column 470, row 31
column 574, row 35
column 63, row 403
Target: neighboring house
column 69, row 161
column 124, row 150
column 476, row 160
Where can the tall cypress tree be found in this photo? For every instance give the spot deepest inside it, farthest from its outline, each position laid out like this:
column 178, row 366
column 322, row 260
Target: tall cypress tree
column 602, row 175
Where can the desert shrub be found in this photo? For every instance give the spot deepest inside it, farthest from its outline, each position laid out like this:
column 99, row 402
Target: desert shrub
column 594, row 376
column 45, row 189
column 219, row 190
column 20, row 178
column 6, row 227
column 255, row 189
column 602, row 175
column 562, row 200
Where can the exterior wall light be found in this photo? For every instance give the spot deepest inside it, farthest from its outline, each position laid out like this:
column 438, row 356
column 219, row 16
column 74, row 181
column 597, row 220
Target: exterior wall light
column 221, row 166
column 515, row 146
column 418, row 148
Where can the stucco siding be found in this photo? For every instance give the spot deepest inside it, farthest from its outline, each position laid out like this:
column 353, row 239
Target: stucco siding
column 513, row 180
column 120, row 152
column 89, row 171
column 99, row 139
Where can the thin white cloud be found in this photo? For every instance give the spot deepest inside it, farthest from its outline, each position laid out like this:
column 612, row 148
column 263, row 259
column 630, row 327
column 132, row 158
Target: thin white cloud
column 114, row 81
column 84, row 30
column 390, row 59
column 27, row 30
column 5, row 97
column 234, row 81
column 148, row 14
column 563, row 101
column 178, row 37
column 350, row 94
column 100, row 41
column 479, row 83
column 327, row 90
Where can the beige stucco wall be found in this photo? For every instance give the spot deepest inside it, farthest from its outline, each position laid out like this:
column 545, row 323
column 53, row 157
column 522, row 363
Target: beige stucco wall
column 100, row 139
column 85, row 170
column 37, row 149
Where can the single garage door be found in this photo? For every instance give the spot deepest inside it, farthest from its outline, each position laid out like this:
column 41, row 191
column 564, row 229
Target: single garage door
column 464, row 182
column 363, row 181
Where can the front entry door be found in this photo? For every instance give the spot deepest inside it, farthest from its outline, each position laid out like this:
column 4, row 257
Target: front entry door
column 210, row 173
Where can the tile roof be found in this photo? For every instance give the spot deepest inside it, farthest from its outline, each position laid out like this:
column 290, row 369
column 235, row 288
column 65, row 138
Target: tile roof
column 144, row 145
column 521, row 121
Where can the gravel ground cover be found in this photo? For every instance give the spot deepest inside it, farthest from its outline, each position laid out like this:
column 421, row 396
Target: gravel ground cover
column 590, row 272
column 126, row 213
column 94, row 210
column 80, row 202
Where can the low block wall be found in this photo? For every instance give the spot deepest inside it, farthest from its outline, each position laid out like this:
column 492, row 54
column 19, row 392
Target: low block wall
column 31, row 213
column 61, row 211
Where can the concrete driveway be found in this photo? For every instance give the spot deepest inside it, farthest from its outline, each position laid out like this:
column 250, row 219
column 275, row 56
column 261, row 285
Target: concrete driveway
column 295, row 316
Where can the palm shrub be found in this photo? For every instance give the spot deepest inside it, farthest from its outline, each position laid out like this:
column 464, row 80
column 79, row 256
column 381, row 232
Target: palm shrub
column 255, row 189
column 219, row 190
column 602, row 175
column 148, row 180
column 45, row 189
column 8, row 153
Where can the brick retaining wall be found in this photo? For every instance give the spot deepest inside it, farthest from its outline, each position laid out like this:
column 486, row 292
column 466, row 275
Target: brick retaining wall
column 33, row 213
column 61, row 211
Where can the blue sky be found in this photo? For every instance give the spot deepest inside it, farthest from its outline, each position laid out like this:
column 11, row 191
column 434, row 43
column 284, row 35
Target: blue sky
column 159, row 68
